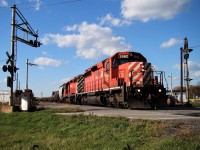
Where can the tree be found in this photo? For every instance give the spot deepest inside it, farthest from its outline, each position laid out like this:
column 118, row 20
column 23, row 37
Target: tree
column 194, row 90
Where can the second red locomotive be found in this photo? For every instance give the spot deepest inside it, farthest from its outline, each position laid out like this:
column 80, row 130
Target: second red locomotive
column 124, row 80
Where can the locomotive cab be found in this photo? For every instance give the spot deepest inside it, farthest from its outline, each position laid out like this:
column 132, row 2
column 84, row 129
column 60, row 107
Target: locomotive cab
column 128, row 67
column 135, row 76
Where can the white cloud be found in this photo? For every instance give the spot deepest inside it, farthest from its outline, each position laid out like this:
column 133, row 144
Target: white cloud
column 44, row 61
column 111, row 21
column 146, row 10
column 46, row 54
column 45, row 40
column 170, row 43
column 71, row 28
column 176, row 66
column 91, row 41
column 3, row 80
column 88, row 53
column 65, row 80
column 37, row 4
column 194, row 69
column 3, row 3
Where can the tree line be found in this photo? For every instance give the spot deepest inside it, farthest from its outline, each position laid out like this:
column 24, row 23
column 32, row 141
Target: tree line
column 194, row 90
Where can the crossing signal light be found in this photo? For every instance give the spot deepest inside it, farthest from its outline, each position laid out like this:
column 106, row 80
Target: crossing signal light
column 35, row 43
column 4, row 68
column 187, row 51
column 9, row 68
column 31, row 42
column 15, row 69
column 186, row 56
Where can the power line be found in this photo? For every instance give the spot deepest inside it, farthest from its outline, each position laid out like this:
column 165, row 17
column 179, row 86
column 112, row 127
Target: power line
column 196, row 78
column 41, row 5
column 3, row 60
column 24, row 3
column 54, row 4
column 195, row 46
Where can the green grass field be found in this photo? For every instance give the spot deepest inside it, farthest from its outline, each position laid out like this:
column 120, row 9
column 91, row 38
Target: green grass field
column 48, row 131
column 195, row 103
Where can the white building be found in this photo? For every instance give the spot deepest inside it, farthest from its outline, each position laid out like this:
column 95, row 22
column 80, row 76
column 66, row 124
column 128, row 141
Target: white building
column 4, row 96
column 177, row 95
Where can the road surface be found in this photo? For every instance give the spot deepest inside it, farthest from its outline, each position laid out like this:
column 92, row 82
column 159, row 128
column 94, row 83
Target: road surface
column 169, row 114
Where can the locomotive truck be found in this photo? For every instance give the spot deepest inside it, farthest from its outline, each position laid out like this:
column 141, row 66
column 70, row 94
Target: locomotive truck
column 123, row 80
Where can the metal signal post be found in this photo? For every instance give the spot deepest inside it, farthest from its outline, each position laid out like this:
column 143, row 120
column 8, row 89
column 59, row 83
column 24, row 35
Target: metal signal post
column 12, row 54
column 186, row 51
column 181, row 75
column 26, row 28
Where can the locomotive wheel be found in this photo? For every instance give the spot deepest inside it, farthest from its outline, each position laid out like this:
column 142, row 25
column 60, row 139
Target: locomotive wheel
column 123, row 105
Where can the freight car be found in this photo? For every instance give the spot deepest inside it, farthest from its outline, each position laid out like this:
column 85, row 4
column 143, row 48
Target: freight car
column 55, row 96
column 123, row 80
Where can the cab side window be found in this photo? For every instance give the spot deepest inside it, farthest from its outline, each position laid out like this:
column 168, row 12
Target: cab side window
column 107, row 66
column 114, row 64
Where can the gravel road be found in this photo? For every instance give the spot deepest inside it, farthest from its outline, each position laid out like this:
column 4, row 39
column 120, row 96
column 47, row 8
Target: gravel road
column 169, row 114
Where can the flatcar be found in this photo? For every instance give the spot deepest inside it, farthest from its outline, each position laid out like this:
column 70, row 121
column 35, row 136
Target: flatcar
column 123, row 80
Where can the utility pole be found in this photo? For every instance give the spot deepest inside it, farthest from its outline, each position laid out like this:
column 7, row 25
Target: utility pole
column 171, row 83
column 27, row 63
column 17, row 82
column 26, row 73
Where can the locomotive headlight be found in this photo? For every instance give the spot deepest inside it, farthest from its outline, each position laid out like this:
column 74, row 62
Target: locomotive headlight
column 160, row 90
column 138, row 90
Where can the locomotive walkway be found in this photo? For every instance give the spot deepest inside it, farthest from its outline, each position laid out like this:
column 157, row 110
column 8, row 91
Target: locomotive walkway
column 169, row 114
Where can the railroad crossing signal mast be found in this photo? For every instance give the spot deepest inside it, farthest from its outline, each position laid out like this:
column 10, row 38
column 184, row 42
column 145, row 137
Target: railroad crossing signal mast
column 186, row 52
column 26, row 28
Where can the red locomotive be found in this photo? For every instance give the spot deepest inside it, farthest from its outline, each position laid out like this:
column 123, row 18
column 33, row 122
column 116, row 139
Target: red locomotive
column 124, row 80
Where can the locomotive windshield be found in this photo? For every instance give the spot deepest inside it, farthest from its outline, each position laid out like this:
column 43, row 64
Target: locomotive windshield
column 128, row 58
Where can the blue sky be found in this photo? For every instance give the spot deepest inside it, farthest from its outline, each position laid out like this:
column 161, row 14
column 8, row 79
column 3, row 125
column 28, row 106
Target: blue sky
column 76, row 34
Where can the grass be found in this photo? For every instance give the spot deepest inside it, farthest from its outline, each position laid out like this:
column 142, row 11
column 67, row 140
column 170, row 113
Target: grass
column 45, row 129
column 195, row 103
